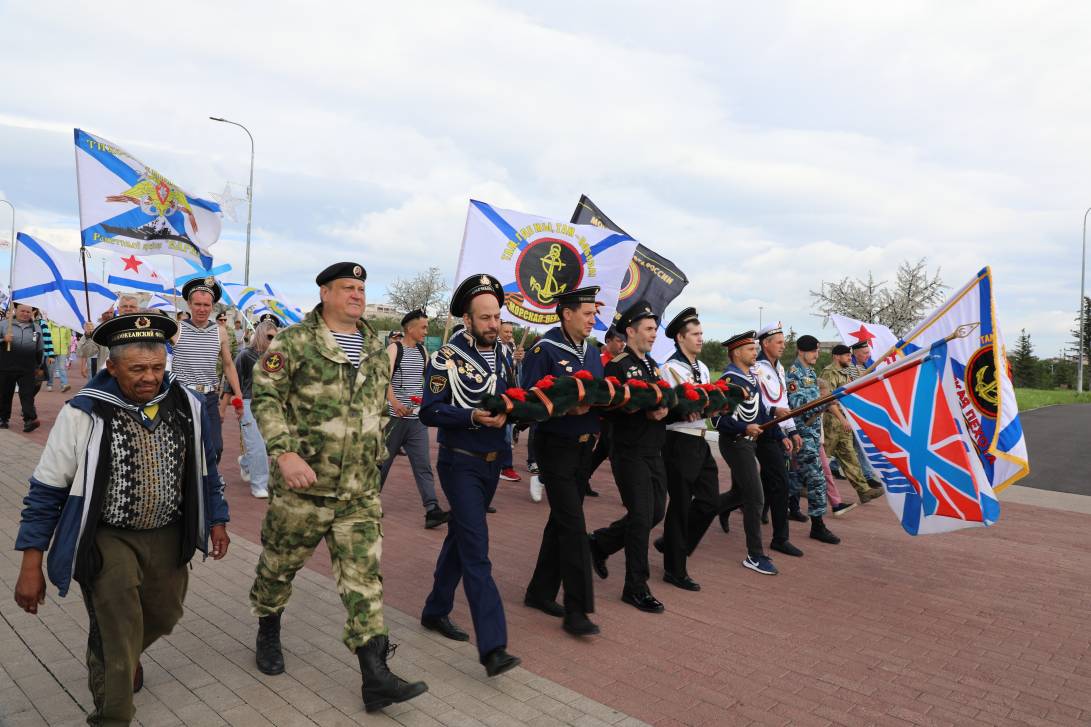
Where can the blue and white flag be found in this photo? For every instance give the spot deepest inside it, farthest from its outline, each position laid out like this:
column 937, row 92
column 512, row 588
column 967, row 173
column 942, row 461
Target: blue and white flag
column 52, row 280
column 201, row 270
column 134, row 273
column 129, row 207
column 537, row 258
column 981, row 378
column 241, row 296
column 161, row 303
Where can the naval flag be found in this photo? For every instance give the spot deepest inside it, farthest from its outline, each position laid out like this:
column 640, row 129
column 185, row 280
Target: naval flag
column 52, row 280
column 537, row 258
column 128, row 207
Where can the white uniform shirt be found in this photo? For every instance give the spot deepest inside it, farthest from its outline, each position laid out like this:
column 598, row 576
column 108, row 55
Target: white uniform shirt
column 773, row 390
column 679, row 372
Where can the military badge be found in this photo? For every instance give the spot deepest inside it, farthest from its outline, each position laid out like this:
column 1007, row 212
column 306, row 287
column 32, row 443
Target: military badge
column 792, row 387
column 981, row 381
column 537, row 349
column 142, row 322
column 437, row 383
column 272, row 363
column 357, row 271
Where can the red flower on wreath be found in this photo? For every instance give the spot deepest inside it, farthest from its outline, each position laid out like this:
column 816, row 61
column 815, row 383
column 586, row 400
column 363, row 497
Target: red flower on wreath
column 614, row 380
column 583, row 374
column 637, row 383
column 544, row 383
column 517, row 394
column 691, row 394
column 662, row 384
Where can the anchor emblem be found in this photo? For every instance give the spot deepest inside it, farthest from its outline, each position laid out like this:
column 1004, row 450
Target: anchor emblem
column 984, row 388
column 551, row 264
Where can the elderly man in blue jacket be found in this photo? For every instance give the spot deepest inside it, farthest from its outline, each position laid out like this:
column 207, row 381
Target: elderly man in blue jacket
column 124, row 494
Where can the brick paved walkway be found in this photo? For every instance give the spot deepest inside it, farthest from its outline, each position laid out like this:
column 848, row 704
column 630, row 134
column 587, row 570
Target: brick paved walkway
column 977, row 627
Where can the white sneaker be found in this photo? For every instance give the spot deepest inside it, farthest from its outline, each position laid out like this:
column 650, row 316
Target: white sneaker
column 536, row 488
column 261, row 493
column 243, row 473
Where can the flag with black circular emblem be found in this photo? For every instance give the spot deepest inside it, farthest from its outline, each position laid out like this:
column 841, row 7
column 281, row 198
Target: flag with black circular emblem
column 537, row 259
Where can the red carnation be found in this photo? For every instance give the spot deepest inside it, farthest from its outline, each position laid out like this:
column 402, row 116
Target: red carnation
column 416, row 399
column 613, row 380
column 583, row 374
column 544, row 383
column 637, row 383
column 517, row 394
column 692, row 394
column 662, row 384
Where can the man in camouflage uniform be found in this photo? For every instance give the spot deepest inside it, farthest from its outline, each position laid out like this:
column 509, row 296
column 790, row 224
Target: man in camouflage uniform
column 319, row 396
column 806, row 470
column 836, row 430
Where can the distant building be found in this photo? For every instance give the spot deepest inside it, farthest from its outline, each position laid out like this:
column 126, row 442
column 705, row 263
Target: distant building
column 375, row 310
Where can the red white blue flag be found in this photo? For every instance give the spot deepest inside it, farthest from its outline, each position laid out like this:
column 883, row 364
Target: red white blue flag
column 910, row 416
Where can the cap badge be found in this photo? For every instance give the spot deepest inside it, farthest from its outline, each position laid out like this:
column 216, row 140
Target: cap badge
column 143, row 322
column 357, row 271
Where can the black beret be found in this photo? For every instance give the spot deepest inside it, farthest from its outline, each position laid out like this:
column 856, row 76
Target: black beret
column 859, row 344
column 840, row 349
column 635, row 313
column 688, row 315
column 269, row 317
column 578, row 296
column 807, row 343
column 412, row 316
column 740, row 339
column 472, row 287
column 352, row 271
column 207, row 284
column 135, row 328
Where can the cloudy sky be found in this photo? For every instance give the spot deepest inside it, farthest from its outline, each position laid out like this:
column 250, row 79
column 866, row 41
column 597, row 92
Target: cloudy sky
column 763, row 149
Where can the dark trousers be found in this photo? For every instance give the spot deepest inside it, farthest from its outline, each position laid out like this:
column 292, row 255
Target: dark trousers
column 565, row 555
column 27, row 387
column 134, row 600
column 469, row 484
column 642, row 482
column 746, row 489
column 530, row 444
column 602, row 448
column 774, row 481
column 215, row 424
column 693, row 484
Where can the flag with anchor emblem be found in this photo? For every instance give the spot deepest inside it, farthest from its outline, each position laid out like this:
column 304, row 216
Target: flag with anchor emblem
column 537, row 258
column 981, row 378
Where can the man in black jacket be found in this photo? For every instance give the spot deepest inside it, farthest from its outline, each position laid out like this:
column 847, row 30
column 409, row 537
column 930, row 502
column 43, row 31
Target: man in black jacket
column 21, row 353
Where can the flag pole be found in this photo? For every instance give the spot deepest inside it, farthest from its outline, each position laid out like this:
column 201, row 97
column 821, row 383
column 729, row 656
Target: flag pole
column 915, row 359
column 11, row 289
column 461, row 252
column 86, row 292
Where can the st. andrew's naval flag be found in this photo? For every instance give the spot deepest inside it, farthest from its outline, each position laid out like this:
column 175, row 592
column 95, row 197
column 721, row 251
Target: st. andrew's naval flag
column 130, row 208
column 52, row 280
column 536, row 259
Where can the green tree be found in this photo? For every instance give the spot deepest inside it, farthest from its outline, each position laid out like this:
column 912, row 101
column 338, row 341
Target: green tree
column 1024, row 363
column 1086, row 334
column 715, row 357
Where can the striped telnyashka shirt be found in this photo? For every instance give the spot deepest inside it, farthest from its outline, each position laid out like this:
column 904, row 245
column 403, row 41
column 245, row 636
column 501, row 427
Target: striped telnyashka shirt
column 196, row 353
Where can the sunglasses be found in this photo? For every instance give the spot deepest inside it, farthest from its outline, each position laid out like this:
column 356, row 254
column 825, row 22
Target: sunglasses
column 271, row 336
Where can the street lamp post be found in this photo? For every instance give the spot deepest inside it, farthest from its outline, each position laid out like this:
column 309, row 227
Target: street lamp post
column 761, row 309
column 1083, row 268
column 249, row 196
column 11, row 265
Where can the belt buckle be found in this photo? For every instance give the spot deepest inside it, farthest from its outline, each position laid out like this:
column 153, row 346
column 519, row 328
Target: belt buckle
column 491, row 456
column 583, row 438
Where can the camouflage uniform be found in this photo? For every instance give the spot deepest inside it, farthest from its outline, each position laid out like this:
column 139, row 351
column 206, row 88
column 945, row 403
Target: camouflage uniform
column 806, row 470
column 309, row 399
column 838, row 440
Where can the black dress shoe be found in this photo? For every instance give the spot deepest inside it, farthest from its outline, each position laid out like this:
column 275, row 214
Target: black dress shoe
column 644, row 601
column 684, row 582
column 591, row 493
column 499, row 661
column 549, row 608
column 725, row 521
column 444, row 626
column 598, row 561
column 578, row 624
column 31, row 425
column 658, row 544
column 435, row 517
column 786, row 547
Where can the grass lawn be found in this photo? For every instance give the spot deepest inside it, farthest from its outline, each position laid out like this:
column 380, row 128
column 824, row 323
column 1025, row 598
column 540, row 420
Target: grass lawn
column 1034, row 398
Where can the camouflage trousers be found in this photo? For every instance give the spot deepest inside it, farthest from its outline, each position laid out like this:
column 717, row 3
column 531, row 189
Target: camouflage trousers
column 293, row 525
column 838, row 442
column 806, row 471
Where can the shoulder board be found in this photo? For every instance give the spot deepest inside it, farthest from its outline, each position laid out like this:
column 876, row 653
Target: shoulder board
column 442, row 356
column 619, row 357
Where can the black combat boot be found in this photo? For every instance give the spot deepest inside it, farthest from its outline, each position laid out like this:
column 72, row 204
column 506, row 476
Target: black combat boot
column 381, row 688
column 820, row 532
column 269, row 656
column 794, row 512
